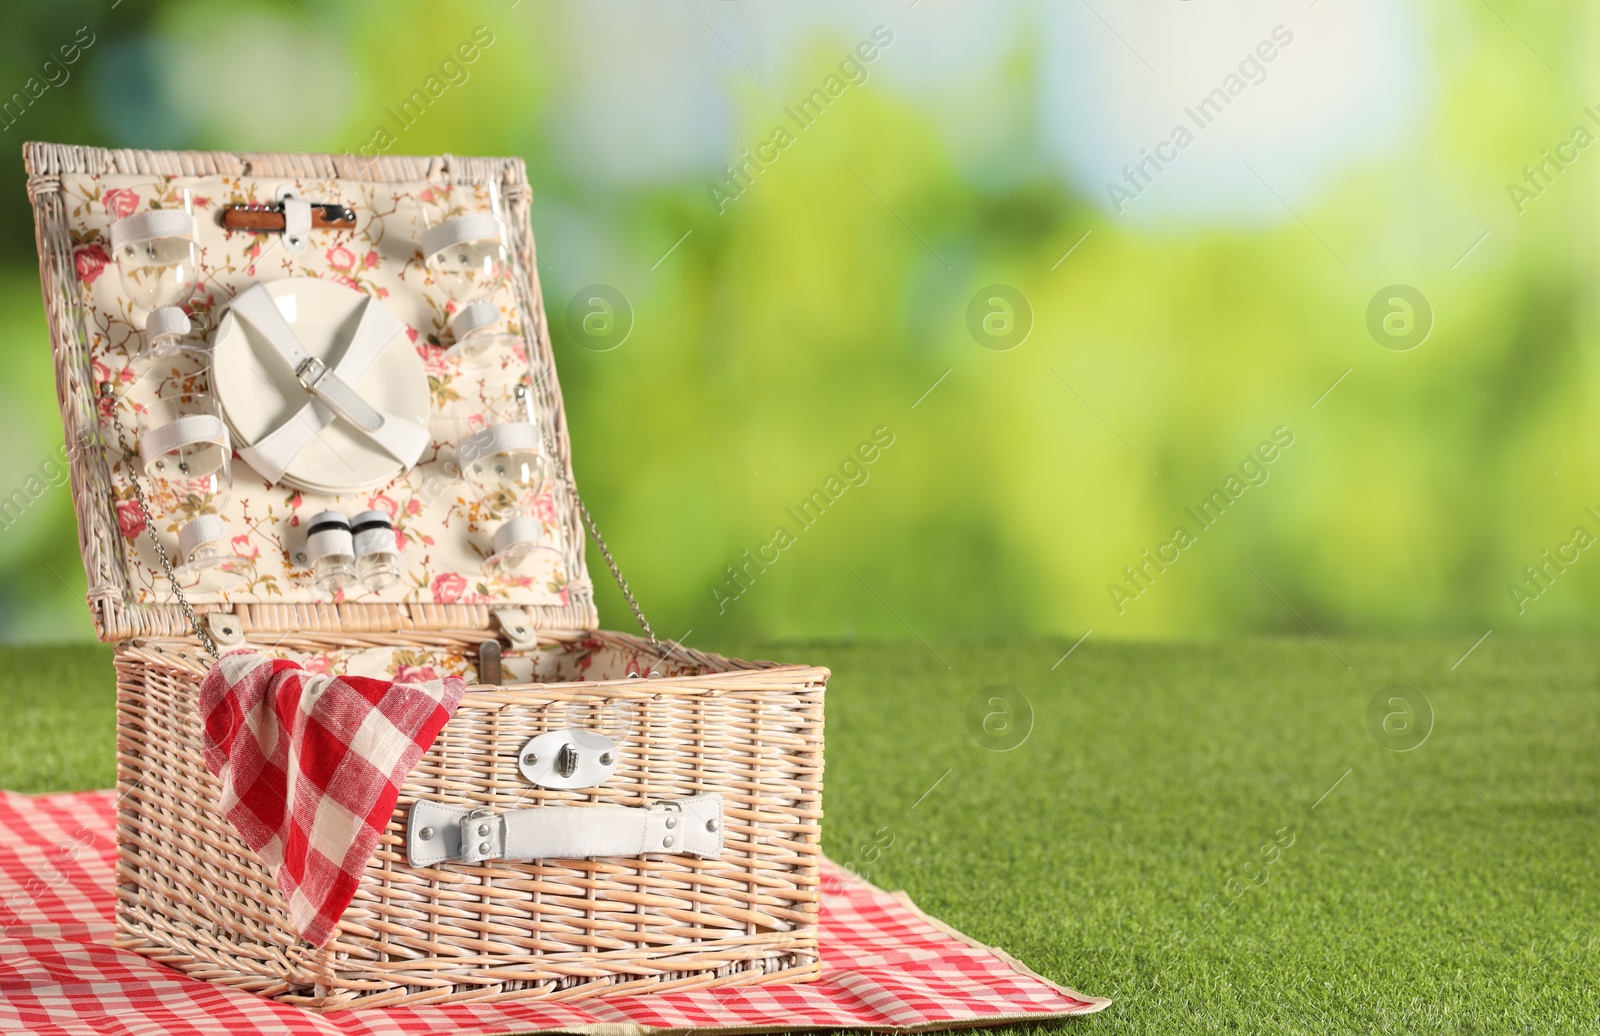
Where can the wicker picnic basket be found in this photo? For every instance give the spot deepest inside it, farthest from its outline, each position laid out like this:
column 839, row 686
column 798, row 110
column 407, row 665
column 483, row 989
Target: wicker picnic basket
column 190, row 893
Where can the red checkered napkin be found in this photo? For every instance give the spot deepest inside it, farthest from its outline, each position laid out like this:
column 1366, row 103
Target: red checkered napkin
column 311, row 766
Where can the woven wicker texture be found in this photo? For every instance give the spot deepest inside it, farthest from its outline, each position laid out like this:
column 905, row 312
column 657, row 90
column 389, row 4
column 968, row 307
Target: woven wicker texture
column 192, row 895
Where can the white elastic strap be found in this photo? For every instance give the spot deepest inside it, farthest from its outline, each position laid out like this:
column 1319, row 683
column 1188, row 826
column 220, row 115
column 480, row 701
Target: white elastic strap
column 296, row 223
column 185, row 431
column 376, row 330
column 197, row 532
column 691, row 826
column 497, row 439
column 168, row 320
column 476, row 227
column 149, row 225
column 516, row 531
column 472, row 318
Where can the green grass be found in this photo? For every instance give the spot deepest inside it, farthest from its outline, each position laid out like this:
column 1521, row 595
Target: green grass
column 58, row 718
column 1448, row 889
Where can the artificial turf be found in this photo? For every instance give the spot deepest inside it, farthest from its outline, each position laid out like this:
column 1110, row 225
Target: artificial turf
column 1166, row 834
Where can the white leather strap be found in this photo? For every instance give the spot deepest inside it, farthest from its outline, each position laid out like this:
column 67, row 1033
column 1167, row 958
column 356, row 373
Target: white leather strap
column 374, row 333
column 472, row 318
column 225, row 628
column 320, row 380
column 437, row 833
column 197, row 532
column 168, row 320
column 478, row 226
column 518, row 628
column 296, row 223
column 149, row 225
column 185, row 431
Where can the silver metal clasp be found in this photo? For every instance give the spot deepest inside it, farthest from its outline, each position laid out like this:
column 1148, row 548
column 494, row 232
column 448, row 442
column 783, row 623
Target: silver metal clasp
column 569, row 758
column 310, row 371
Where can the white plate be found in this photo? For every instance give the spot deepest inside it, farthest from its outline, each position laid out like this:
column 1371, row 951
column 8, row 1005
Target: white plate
column 258, row 391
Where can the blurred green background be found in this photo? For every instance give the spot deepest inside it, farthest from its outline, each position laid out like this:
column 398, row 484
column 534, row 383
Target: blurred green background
column 846, row 286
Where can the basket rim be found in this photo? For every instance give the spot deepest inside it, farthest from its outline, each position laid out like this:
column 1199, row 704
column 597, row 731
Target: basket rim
column 184, row 654
column 117, row 616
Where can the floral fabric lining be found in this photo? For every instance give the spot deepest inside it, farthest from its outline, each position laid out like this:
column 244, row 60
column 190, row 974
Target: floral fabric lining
column 442, row 526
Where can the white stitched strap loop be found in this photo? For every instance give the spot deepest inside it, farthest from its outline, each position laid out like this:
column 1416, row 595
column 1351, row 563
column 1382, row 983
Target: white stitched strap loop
column 168, row 320
column 516, row 437
column 185, row 431
column 520, row 529
column 296, row 223
column 149, row 225
column 478, row 226
column 472, row 318
column 330, row 387
column 437, row 833
column 197, row 532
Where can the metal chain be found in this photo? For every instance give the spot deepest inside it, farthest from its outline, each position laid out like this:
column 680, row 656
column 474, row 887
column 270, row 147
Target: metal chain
column 616, row 573
column 150, row 527
column 522, row 287
column 525, row 397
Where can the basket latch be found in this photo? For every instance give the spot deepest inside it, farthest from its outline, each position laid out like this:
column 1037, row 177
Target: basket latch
column 517, row 627
column 567, row 759
column 225, row 628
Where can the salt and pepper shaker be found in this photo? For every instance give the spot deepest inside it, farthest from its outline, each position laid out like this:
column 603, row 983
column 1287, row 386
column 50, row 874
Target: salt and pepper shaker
column 377, row 560
column 330, row 549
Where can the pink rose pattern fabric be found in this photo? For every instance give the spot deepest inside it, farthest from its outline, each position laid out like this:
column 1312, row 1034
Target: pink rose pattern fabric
column 442, row 527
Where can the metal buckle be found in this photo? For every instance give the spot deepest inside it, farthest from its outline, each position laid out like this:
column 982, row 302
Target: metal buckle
column 310, row 371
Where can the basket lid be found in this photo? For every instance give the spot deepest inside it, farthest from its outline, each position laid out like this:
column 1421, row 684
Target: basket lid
column 348, row 289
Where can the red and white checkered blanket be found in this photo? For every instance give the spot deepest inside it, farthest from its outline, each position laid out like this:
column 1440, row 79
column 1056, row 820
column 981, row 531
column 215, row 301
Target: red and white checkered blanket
column 885, row 965
column 311, row 766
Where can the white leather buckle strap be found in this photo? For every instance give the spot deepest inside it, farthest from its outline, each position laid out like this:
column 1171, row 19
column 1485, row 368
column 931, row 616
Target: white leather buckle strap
column 330, row 387
column 149, row 225
column 316, row 378
column 185, row 431
column 437, row 833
